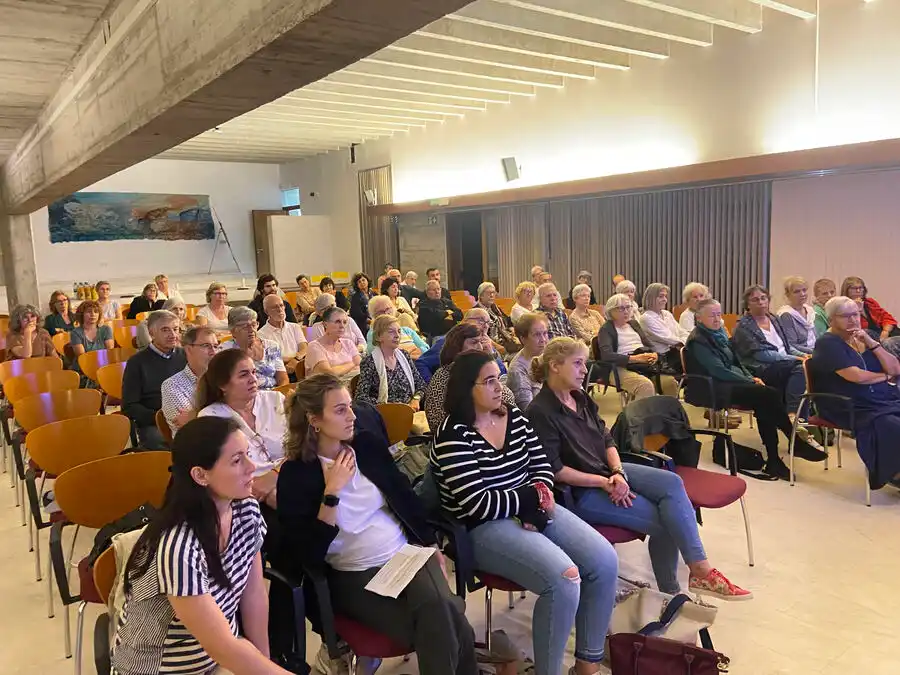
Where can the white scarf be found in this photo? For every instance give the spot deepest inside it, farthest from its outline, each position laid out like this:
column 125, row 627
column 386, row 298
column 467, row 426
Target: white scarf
column 378, row 358
column 809, row 321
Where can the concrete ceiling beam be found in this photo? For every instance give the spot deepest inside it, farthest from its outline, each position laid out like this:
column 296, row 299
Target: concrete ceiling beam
column 327, row 99
column 803, row 9
column 461, row 104
column 737, row 14
column 440, row 91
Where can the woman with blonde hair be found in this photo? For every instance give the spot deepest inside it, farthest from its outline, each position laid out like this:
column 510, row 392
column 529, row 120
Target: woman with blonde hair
column 586, row 321
column 524, row 294
column 582, row 454
column 215, row 313
column 798, row 318
column 61, row 318
column 387, row 374
column 410, row 341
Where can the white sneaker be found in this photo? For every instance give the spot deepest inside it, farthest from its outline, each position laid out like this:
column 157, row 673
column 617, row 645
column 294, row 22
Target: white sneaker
column 326, row 666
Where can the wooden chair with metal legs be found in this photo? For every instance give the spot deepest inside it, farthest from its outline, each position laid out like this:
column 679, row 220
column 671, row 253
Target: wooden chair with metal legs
column 60, row 446
column 125, row 335
column 94, row 494
column 104, row 576
column 110, row 380
column 91, row 362
column 60, row 340
column 398, row 418
column 287, row 390
column 10, row 369
column 709, row 386
column 35, row 411
column 164, row 429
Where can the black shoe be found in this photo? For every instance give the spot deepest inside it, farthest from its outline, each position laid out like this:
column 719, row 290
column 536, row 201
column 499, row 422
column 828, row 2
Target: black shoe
column 775, row 467
column 804, row 450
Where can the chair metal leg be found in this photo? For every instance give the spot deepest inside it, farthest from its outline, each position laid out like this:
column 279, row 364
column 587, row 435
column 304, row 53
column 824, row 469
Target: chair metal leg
column 487, row 618
column 868, row 490
column 747, row 529
column 522, row 595
column 791, row 442
column 837, row 443
column 49, row 586
column 71, row 553
column 511, row 600
column 67, row 636
column 79, row 635
column 37, row 552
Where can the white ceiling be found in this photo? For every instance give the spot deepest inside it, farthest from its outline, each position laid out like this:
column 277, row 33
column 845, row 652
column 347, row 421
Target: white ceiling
column 38, row 43
column 487, row 54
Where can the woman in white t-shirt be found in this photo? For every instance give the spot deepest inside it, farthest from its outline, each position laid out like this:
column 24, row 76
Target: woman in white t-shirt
column 215, row 312
column 229, row 388
column 333, row 353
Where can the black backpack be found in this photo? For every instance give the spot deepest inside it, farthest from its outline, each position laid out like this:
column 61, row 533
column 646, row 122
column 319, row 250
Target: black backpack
column 133, row 520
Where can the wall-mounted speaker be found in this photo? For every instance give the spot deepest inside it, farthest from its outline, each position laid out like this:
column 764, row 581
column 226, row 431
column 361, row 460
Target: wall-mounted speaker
column 510, row 168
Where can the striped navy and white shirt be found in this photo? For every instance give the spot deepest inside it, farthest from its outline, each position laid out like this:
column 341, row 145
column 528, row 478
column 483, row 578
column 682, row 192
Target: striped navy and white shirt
column 476, row 481
column 149, row 637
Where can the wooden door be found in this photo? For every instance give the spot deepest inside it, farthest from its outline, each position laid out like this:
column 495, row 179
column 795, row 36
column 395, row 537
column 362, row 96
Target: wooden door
column 261, row 240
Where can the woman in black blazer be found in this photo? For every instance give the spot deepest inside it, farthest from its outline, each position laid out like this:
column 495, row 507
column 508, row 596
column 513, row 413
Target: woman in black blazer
column 346, row 509
column 146, row 302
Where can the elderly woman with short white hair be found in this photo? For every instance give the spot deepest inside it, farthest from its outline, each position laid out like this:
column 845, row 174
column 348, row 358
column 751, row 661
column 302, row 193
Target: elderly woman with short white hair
column 586, row 321
column 323, row 303
column 410, row 341
column 664, row 333
column 692, row 295
column 387, row 374
column 501, row 328
column 798, row 318
column 628, row 288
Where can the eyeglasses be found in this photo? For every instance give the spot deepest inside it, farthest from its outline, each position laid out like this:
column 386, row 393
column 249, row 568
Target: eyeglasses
column 492, row 382
column 208, row 346
column 856, row 288
column 847, row 317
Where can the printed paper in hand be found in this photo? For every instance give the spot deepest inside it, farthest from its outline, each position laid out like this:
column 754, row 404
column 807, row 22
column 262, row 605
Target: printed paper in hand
column 399, row 571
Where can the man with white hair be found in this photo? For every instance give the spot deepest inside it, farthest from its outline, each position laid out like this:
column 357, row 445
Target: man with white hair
column 409, row 291
column 266, row 354
column 536, row 273
column 692, row 295
column 288, row 336
column 549, row 304
column 437, row 314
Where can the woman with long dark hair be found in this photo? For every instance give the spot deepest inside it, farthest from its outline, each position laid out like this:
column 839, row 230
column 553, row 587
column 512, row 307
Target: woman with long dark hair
column 360, row 294
column 196, row 564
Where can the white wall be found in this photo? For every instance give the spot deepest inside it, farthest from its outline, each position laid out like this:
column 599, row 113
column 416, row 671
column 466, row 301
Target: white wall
column 234, row 191
column 300, row 244
column 838, row 226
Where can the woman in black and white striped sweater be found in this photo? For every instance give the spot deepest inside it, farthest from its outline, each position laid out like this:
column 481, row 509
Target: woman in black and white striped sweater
column 493, row 475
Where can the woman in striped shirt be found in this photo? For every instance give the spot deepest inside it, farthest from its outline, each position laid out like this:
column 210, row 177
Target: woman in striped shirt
column 493, row 476
column 196, row 564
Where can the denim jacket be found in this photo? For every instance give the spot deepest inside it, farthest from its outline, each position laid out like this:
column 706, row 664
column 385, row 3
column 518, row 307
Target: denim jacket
column 752, row 348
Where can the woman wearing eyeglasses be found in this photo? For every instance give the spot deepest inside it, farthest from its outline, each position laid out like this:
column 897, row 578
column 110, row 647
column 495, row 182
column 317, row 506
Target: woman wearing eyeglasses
column 215, row 312
column 229, row 389
column 334, row 353
column 873, row 318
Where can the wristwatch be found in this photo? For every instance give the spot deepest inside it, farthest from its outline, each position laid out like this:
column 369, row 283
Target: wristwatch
column 331, row 500
column 621, row 471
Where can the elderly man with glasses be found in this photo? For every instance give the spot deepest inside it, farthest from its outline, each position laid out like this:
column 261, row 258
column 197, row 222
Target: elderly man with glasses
column 288, row 336
column 200, row 345
column 266, row 354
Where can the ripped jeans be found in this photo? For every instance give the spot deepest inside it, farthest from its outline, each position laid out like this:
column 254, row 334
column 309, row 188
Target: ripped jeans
column 543, row 562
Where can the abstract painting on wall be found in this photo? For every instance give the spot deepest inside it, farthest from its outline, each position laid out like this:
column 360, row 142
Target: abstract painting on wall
column 105, row 216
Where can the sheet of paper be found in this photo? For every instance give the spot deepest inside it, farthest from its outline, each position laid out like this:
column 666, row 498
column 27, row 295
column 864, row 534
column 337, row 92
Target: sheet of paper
column 399, row 570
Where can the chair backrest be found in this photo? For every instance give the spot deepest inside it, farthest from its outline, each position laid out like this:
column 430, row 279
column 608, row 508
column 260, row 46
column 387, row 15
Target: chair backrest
column 36, row 364
column 354, row 383
column 163, row 427
column 505, row 304
column 287, row 390
column 141, row 316
column 91, row 362
column 398, row 418
column 118, row 323
column 105, row 573
column 290, row 297
column 678, row 310
column 655, row 442
column 4, row 324
column 125, row 335
column 730, row 321
column 96, row 493
column 125, row 309
column 300, row 369
column 17, row 388
column 110, row 379
column 53, row 406
column 190, row 312
column 60, row 340
column 59, row 446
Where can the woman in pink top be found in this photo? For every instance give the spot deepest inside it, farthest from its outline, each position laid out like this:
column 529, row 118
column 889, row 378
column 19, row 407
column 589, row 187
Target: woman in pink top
column 333, row 353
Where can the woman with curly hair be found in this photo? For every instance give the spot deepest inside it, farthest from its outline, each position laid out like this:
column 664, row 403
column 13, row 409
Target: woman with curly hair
column 360, row 294
column 26, row 338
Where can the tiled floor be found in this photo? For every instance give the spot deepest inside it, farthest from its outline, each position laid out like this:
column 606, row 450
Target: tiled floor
column 826, row 595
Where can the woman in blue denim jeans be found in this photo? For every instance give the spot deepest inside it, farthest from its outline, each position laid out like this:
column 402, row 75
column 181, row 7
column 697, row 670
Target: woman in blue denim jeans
column 582, row 454
column 494, row 477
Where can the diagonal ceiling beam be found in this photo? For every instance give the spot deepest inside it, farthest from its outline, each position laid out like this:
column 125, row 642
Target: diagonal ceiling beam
column 443, row 49
column 514, row 42
column 539, row 24
column 269, row 120
column 328, row 98
column 439, row 91
column 341, row 109
column 737, row 14
column 624, row 16
column 436, row 69
column 805, row 9
column 347, row 90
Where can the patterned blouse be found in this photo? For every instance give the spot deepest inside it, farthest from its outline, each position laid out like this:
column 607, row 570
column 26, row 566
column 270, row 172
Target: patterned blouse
column 586, row 327
column 397, row 382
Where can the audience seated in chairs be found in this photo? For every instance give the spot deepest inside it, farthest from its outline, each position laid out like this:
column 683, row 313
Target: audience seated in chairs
column 525, row 295
column 179, row 391
column 147, row 301
column 176, row 306
column 482, row 318
column 430, row 361
column 306, row 298
column 164, row 291
column 409, row 291
column 111, row 309
column 628, row 288
column 146, row 371
column 549, row 303
column 645, row 499
column 323, row 303
column 584, row 278
column 390, row 288
column 764, row 349
column 387, row 373
column 410, row 341
column 60, row 319
column 26, row 339
column 797, row 317
column 823, row 291
column 534, row 334
column 185, row 580
column 627, row 353
column 494, row 477
column 692, row 295
column 326, row 285
column 334, row 353
column 215, row 312
column 270, row 369
column 500, row 329
column 585, row 321
column 229, row 389
column 341, row 505
column 434, row 274
column 708, row 352
column 360, row 294
column 289, row 337
column 463, row 337
column 267, row 285
column 89, row 335
column 848, row 361
column 437, row 314
column 665, row 335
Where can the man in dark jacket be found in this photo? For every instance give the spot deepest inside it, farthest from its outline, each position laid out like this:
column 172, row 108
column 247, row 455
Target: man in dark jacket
column 267, row 284
column 437, row 314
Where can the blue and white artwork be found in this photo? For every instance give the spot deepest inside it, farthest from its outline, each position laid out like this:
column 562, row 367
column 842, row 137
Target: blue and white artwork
column 105, row 216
